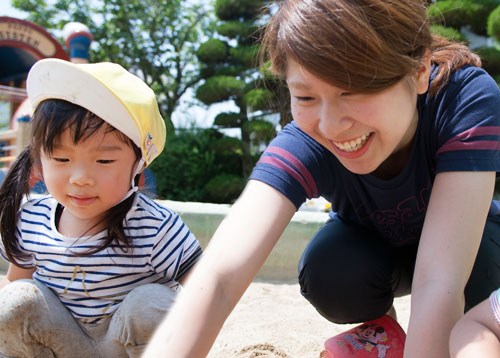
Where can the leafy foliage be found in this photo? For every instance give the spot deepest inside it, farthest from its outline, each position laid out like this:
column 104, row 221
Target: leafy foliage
column 481, row 16
column 224, row 188
column 448, row 32
column 191, row 159
column 154, row 39
column 212, row 51
column 237, row 77
column 494, row 24
column 456, row 13
column 220, row 88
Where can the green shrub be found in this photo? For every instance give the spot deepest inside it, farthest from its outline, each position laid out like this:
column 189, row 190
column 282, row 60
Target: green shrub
column 191, row 159
column 245, row 55
column 262, row 131
column 448, row 32
column 212, row 51
column 456, row 13
column 219, row 88
column 490, row 57
column 494, row 24
column 235, row 9
column 259, row 99
column 224, row 188
column 227, row 120
column 236, row 30
column 226, row 145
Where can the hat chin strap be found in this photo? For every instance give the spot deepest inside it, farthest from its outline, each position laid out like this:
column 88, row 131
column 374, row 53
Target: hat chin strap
column 134, row 187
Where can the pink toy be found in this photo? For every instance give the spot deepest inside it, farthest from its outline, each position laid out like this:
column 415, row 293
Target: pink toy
column 380, row 338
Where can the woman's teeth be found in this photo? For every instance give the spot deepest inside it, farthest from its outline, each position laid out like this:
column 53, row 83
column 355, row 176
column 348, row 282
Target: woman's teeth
column 354, row 144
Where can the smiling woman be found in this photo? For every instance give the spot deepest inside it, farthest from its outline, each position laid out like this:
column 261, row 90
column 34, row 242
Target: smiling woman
column 400, row 131
column 362, row 130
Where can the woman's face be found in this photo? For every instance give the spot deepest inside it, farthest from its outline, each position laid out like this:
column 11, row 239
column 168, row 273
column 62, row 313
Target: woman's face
column 361, row 130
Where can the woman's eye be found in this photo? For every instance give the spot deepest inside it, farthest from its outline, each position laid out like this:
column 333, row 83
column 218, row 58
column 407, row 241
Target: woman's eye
column 304, row 99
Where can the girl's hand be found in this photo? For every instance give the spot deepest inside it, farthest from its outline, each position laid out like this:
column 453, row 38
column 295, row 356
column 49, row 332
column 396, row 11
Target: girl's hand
column 16, row 273
column 450, row 239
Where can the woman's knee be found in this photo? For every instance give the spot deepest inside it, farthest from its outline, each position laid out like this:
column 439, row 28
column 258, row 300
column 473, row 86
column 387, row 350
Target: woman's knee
column 347, row 278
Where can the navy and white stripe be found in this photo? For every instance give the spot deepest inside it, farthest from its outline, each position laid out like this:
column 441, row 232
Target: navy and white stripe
column 92, row 287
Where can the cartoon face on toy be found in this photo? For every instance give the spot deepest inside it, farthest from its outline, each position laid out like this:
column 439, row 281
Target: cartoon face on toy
column 370, row 332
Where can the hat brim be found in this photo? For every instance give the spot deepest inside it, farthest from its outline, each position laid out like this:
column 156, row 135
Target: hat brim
column 58, row 79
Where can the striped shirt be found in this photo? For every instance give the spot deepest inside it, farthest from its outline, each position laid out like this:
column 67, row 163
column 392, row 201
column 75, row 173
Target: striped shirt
column 92, row 287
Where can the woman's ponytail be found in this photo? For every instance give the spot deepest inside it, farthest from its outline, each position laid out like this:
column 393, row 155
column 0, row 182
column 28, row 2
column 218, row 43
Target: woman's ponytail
column 12, row 192
column 449, row 56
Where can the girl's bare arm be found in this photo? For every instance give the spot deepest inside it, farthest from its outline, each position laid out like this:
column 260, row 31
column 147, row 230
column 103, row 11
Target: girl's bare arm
column 16, row 273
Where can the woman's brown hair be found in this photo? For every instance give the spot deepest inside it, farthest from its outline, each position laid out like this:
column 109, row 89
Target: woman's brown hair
column 359, row 45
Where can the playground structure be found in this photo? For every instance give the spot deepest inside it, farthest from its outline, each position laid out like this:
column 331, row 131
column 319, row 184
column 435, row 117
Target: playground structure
column 22, row 43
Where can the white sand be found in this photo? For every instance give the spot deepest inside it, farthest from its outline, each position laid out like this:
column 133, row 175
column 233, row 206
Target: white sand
column 273, row 320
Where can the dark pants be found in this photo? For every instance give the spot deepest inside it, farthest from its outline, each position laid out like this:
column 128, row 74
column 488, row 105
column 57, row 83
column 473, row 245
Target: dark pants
column 351, row 275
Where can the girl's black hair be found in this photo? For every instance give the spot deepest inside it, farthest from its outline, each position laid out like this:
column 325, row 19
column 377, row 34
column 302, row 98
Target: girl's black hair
column 51, row 118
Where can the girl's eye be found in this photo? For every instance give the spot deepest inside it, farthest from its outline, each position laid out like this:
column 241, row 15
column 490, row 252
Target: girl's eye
column 60, row 160
column 105, row 161
column 346, row 94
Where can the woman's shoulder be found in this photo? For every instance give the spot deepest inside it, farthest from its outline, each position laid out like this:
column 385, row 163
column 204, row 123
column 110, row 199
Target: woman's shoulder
column 471, row 73
column 466, row 86
column 469, row 79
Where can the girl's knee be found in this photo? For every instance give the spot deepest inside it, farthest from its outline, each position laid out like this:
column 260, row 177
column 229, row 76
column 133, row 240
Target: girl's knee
column 18, row 301
column 154, row 297
column 141, row 312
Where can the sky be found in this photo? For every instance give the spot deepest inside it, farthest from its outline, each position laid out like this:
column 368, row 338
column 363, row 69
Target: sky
column 7, row 10
column 185, row 116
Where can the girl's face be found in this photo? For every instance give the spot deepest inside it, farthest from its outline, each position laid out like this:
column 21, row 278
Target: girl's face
column 88, row 178
column 363, row 131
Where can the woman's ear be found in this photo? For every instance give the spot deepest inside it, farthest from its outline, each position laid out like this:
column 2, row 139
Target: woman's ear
column 423, row 74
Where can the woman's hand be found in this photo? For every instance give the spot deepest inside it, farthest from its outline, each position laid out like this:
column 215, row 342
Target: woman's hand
column 235, row 254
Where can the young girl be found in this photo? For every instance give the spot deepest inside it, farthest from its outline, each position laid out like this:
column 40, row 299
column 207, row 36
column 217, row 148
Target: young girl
column 94, row 266
column 400, row 130
column 477, row 334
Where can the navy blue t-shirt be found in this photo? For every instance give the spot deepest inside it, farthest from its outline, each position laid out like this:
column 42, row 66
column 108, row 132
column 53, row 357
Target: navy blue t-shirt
column 458, row 130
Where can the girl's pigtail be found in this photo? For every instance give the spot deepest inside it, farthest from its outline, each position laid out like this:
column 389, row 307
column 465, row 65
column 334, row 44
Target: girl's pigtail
column 12, row 192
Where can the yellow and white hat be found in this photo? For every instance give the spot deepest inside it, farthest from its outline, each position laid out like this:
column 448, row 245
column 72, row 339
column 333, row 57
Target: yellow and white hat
column 109, row 91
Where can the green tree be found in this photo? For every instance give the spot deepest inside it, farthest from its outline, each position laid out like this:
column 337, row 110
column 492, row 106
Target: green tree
column 230, row 63
column 482, row 17
column 155, row 39
column 190, row 167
